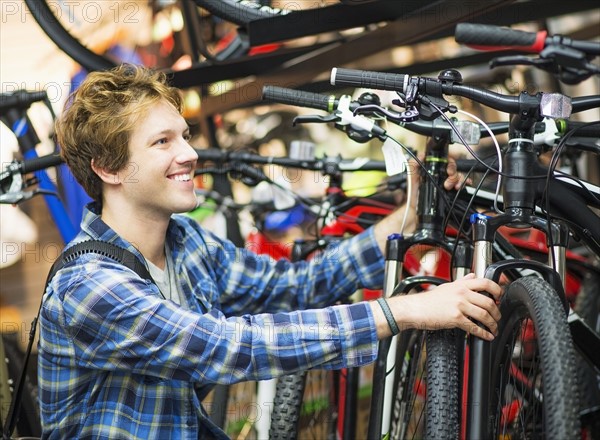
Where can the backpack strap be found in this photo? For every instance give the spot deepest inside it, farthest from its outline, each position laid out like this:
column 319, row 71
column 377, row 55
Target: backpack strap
column 110, row 250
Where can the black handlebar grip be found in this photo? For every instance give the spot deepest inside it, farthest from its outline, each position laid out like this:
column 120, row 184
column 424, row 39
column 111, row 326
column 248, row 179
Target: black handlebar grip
column 368, row 79
column 299, row 98
column 21, row 99
column 211, row 154
column 41, row 163
column 490, row 37
column 582, row 129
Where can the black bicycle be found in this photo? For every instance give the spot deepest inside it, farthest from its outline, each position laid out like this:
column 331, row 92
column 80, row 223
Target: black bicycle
column 522, row 192
column 523, row 393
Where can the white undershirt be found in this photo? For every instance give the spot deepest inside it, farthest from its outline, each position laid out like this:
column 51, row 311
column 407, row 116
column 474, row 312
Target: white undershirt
column 166, row 280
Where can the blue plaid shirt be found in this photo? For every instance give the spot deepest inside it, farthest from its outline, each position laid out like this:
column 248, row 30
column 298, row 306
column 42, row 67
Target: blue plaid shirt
column 117, row 361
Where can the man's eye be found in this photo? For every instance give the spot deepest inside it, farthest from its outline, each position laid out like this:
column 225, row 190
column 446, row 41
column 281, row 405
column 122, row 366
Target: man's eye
column 161, row 141
column 187, row 137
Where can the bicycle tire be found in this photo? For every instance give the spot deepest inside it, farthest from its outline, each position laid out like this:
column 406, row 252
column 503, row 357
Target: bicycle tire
column 44, row 16
column 121, row 15
column 533, row 375
column 442, row 408
column 587, row 306
column 240, row 12
column 286, row 411
column 300, row 414
column 218, row 412
column 29, row 421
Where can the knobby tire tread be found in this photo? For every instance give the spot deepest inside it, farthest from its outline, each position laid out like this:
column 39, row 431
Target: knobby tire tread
column 533, row 297
column 443, row 383
column 587, row 306
column 287, row 406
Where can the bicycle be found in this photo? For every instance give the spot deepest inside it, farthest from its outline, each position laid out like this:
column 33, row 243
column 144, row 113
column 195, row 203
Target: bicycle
column 292, row 388
column 191, row 55
column 13, row 113
column 520, row 196
column 570, row 61
column 369, row 79
column 23, row 413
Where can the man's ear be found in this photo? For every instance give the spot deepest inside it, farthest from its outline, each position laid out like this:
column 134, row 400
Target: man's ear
column 109, row 177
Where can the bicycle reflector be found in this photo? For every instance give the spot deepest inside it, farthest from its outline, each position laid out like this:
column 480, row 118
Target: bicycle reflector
column 555, row 106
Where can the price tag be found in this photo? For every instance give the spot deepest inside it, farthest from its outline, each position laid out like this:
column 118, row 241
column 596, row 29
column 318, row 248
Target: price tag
column 282, row 198
column 395, row 161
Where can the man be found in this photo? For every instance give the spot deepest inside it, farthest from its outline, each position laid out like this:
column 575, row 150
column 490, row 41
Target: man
column 123, row 358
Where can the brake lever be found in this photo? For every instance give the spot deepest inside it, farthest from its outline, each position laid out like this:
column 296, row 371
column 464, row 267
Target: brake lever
column 14, row 198
column 570, row 65
column 408, row 115
column 304, row 119
column 357, row 135
column 513, row 60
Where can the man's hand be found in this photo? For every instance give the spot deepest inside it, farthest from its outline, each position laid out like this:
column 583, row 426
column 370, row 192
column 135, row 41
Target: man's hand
column 450, row 305
column 455, row 179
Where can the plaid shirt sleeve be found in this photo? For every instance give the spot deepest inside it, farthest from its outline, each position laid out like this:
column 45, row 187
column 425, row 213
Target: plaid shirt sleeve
column 250, row 283
column 115, row 321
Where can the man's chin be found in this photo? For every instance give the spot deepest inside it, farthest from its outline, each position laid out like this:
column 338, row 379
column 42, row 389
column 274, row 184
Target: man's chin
column 185, row 208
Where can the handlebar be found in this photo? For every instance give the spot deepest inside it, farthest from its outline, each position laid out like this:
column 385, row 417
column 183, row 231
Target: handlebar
column 30, row 165
column 325, row 164
column 491, row 38
column 428, row 128
column 300, row 98
column 41, row 163
column 20, row 99
column 582, row 129
column 341, row 110
column 567, row 59
column 397, row 82
column 448, row 83
column 330, row 103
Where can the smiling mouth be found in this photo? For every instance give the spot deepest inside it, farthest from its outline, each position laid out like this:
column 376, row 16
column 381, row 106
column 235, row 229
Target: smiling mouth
column 180, row 177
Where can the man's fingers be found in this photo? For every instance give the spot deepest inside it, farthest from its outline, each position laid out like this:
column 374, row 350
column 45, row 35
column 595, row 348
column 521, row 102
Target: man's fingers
column 486, row 303
column 483, row 284
column 482, row 316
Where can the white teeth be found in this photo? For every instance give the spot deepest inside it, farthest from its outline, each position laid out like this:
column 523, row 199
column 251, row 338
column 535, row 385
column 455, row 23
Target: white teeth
column 181, row 177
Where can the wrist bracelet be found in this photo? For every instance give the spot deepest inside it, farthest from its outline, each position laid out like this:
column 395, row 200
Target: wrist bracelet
column 388, row 316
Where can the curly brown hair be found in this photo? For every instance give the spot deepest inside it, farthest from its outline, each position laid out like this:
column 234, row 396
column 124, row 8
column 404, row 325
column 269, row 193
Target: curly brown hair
column 99, row 118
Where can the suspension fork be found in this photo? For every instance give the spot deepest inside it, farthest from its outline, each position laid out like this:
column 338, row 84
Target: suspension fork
column 383, row 374
column 477, row 412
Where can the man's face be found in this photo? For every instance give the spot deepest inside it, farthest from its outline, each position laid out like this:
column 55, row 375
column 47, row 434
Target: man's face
column 158, row 180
